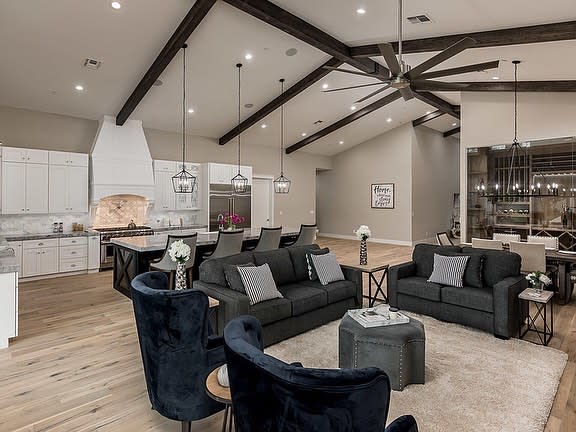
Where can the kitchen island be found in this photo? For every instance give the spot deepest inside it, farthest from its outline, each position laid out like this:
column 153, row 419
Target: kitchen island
column 132, row 255
column 8, row 293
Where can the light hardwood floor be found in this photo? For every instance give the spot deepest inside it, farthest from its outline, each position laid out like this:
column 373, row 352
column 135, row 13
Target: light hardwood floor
column 76, row 365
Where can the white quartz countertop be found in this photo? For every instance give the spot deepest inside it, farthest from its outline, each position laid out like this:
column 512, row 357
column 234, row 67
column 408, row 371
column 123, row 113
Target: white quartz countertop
column 8, row 261
column 43, row 236
column 158, row 242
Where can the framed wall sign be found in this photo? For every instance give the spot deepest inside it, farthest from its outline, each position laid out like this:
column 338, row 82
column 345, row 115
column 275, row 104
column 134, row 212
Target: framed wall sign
column 382, row 195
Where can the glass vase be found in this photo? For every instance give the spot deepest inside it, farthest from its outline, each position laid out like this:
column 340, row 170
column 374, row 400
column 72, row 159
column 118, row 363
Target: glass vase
column 537, row 288
column 363, row 252
column 180, row 277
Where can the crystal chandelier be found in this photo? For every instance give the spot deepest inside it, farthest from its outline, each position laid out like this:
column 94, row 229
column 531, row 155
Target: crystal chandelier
column 282, row 184
column 239, row 182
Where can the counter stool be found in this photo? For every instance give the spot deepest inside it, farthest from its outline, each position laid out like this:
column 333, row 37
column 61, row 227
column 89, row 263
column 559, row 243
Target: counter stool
column 166, row 265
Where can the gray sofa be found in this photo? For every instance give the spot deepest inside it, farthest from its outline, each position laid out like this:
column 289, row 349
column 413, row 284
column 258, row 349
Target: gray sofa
column 307, row 304
column 488, row 300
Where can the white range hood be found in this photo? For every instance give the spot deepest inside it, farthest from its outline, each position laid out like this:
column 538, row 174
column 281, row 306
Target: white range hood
column 121, row 161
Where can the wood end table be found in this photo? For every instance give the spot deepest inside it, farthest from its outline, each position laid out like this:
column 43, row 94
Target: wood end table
column 371, row 270
column 221, row 394
column 541, row 302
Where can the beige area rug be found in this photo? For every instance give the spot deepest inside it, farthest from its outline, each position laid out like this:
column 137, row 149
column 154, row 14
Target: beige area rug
column 474, row 381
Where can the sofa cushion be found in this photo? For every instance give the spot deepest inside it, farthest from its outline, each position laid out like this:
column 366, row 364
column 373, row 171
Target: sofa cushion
column 449, row 270
column 304, row 298
column 271, row 311
column 423, row 256
column 212, row 269
column 498, row 265
column 469, row 297
column 298, row 257
column 416, row 286
column 473, row 274
column 336, row 291
column 233, row 276
column 280, row 265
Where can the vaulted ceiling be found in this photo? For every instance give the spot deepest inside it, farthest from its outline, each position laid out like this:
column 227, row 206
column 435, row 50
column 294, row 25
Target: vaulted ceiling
column 43, row 44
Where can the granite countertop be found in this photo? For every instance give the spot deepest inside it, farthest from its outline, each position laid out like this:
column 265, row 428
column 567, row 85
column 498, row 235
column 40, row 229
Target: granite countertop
column 8, row 261
column 158, row 242
column 43, row 236
column 178, row 228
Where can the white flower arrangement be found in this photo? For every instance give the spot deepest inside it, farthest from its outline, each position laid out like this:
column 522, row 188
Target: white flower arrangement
column 363, row 232
column 179, row 252
column 538, row 278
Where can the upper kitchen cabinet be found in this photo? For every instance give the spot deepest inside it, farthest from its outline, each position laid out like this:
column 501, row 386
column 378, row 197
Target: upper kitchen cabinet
column 189, row 201
column 68, row 159
column 24, row 184
column 223, row 173
column 164, row 197
column 68, row 186
column 14, row 154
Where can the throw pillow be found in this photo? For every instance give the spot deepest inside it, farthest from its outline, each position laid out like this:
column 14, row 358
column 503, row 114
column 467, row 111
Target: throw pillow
column 327, row 268
column 233, row 277
column 312, row 275
column 449, row 270
column 259, row 283
column 473, row 273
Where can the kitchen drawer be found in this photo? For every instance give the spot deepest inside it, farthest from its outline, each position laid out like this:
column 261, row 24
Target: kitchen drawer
column 34, row 244
column 80, row 251
column 73, row 264
column 73, row 241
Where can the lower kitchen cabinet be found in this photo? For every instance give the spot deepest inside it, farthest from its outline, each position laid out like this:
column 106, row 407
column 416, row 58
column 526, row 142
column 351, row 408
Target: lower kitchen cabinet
column 94, row 252
column 73, row 254
column 8, row 307
column 39, row 261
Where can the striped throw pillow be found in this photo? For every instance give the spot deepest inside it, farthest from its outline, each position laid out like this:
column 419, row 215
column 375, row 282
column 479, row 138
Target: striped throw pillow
column 327, row 268
column 311, row 270
column 259, row 283
column 449, row 270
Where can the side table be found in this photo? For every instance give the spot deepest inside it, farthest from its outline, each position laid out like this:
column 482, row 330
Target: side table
column 213, row 313
column 541, row 302
column 372, row 270
column 221, row 394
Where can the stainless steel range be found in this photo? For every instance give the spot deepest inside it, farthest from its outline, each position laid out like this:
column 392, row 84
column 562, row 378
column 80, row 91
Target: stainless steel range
column 106, row 234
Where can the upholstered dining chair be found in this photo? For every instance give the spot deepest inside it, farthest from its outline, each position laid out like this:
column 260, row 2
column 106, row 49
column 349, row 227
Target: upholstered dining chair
column 533, row 256
column 487, row 244
column 444, row 239
column 166, row 265
column 178, row 350
column 269, row 239
column 228, row 243
column 548, row 241
column 270, row 395
column 306, row 236
column 506, row 238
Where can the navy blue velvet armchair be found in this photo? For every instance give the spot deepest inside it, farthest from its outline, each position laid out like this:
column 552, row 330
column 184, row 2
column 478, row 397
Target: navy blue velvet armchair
column 269, row 395
column 177, row 350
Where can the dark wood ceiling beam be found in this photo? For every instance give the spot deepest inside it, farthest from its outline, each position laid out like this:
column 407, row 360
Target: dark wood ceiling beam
column 306, row 32
column 438, row 103
column 493, row 38
column 345, row 121
column 194, row 17
column 507, row 86
column 451, row 132
column 290, row 93
column 426, row 118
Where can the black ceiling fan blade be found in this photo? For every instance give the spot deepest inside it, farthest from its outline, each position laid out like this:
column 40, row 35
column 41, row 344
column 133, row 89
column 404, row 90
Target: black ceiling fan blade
column 390, row 56
column 428, row 85
column 349, row 72
column 442, row 56
column 407, row 93
column 478, row 67
column 354, row 87
column 387, row 86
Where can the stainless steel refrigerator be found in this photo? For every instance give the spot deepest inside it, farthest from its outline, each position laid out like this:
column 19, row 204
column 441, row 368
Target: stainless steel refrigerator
column 223, row 200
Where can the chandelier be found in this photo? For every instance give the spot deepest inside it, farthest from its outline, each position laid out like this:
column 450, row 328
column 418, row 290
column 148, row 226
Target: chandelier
column 239, row 182
column 282, row 183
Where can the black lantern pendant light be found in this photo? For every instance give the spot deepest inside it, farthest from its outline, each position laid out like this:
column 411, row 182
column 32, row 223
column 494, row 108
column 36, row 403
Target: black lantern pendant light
column 239, row 182
column 282, row 184
column 183, row 181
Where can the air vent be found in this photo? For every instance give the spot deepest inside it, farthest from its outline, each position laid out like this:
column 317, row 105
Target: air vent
column 92, row 63
column 419, row 19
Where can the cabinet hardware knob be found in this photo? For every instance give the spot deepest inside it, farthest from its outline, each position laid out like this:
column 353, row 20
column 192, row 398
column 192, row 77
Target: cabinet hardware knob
column 73, row 265
column 40, row 244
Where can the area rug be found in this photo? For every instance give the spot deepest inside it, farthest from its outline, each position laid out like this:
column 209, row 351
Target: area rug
column 474, row 381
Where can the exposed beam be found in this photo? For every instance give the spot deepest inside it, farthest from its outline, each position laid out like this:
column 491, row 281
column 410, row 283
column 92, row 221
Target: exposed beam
column 504, row 86
column 306, row 32
column 291, row 92
column 451, row 132
column 427, row 118
column 174, row 44
column 439, row 103
column 345, row 121
column 492, row 38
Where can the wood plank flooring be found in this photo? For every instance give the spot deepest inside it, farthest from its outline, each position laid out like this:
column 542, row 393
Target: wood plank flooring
column 76, row 365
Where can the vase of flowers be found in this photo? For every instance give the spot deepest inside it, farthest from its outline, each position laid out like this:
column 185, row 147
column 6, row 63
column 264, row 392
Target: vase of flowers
column 233, row 219
column 538, row 280
column 363, row 233
column 180, row 253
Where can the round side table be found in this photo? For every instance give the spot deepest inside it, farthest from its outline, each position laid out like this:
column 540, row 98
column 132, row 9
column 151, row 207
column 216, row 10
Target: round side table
column 221, row 394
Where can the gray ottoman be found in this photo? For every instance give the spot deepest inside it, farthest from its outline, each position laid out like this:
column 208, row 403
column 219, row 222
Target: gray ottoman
column 398, row 350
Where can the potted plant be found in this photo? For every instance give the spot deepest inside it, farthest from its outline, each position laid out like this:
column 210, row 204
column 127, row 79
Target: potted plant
column 233, row 219
column 538, row 280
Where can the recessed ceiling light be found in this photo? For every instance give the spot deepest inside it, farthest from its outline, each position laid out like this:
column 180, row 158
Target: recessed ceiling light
column 341, row 142
column 116, row 5
column 190, row 110
column 454, row 124
column 495, row 78
column 428, row 112
column 360, row 11
column 303, row 133
column 353, row 107
column 291, row 52
column 79, row 87
column 389, row 120
column 248, row 56
column 248, row 105
column 325, row 86
column 263, row 126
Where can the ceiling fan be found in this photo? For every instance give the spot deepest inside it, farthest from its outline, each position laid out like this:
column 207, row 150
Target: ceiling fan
column 406, row 79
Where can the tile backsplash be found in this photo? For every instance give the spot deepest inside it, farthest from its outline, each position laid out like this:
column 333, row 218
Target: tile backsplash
column 16, row 224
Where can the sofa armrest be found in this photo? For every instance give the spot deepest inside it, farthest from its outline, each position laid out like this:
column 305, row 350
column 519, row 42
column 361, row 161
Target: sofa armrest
column 355, row 276
column 395, row 273
column 507, row 312
column 406, row 423
column 232, row 303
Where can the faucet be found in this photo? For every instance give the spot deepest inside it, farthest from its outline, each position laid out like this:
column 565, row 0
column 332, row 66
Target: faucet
column 220, row 219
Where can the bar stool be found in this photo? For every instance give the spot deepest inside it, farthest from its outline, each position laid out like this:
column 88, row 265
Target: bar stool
column 269, row 239
column 228, row 243
column 306, row 236
column 166, row 265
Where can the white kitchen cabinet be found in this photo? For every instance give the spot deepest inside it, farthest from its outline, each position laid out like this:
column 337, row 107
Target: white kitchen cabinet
column 36, row 188
column 8, row 307
column 222, row 173
column 73, row 254
column 93, row 252
column 68, row 189
column 17, row 246
column 13, row 192
column 24, row 184
column 58, row 189
column 190, row 201
column 39, row 260
column 164, row 196
column 68, row 159
column 14, row 154
column 165, row 166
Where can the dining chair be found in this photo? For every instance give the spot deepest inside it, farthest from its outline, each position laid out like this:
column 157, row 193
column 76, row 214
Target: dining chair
column 506, row 238
column 166, row 265
column 487, row 244
column 269, row 239
column 549, row 241
column 533, row 256
column 552, row 266
column 228, row 243
column 444, row 239
column 306, row 236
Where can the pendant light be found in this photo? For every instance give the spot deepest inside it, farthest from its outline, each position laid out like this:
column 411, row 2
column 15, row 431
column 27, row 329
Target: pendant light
column 239, row 182
column 183, row 181
column 282, row 184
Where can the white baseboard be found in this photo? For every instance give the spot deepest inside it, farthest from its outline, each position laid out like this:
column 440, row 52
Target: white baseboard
column 370, row 240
